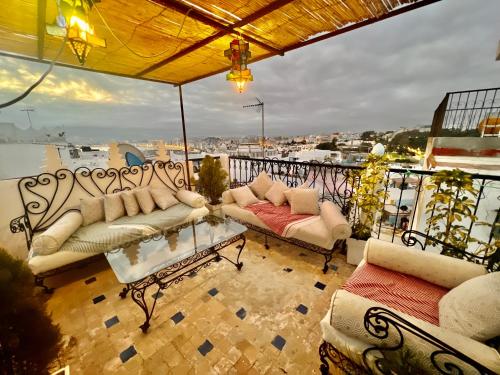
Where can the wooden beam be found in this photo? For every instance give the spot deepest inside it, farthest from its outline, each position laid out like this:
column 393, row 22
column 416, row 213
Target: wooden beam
column 41, row 15
column 223, row 30
column 328, row 35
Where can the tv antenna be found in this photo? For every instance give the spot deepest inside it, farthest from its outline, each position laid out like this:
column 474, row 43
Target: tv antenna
column 28, row 110
column 259, row 106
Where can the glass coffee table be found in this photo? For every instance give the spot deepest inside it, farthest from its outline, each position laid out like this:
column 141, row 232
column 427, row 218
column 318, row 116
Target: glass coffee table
column 168, row 256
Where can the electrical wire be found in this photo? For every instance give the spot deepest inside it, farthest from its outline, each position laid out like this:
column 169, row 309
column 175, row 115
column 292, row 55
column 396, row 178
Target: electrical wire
column 39, row 81
column 130, row 49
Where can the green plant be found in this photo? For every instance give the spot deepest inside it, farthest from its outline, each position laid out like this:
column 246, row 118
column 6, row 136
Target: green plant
column 369, row 194
column 451, row 212
column 212, row 179
column 29, row 341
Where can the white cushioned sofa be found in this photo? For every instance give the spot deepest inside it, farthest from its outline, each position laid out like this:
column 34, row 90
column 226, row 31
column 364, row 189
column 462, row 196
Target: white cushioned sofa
column 438, row 312
column 316, row 226
column 95, row 211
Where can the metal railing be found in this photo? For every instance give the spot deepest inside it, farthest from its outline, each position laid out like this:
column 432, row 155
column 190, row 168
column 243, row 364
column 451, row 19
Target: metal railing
column 404, row 205
column 472, row 112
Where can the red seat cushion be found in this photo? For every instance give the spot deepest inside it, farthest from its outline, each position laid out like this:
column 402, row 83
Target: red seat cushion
column 405, row 293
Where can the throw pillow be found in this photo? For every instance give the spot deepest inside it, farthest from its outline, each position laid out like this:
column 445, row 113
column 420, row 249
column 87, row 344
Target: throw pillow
column 145, row 199
column 304, row 201
column 113, row 207
column 473, row 308
column 191, row 198
column 92, row 210
column 53, row 238
column 276, row 195
column 163, row 197
column 288, row 192
column 244, row 196
column 130, row 202
column 261, row 185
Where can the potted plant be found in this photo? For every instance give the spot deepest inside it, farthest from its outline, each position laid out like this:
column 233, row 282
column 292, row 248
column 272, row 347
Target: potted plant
column 212, row 181
column 367, row 201
column 451, row 213
column 29, row 342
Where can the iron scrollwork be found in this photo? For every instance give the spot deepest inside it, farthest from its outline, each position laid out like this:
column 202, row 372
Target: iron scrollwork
column 385, row 325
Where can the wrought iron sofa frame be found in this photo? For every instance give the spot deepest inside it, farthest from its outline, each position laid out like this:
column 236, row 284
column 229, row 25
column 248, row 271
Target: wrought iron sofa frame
column 379, row 321
column 42, row 209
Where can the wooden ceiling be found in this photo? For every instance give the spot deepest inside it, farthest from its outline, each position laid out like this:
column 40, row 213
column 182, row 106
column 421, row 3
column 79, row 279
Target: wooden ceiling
column 180, row 41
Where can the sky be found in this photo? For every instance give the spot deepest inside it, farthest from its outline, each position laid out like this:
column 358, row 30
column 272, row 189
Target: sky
column 384, row 76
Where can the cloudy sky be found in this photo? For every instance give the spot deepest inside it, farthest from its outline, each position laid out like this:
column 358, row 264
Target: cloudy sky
column 384, row 76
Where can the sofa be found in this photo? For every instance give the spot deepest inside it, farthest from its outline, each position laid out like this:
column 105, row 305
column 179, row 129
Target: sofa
column 409, row 311
column 95, row 211
column 268, row 206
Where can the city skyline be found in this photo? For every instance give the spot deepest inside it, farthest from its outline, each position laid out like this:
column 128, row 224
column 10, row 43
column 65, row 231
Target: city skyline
column 385, row 76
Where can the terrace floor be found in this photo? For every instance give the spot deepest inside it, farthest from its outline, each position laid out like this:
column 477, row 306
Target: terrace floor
column 251, row 319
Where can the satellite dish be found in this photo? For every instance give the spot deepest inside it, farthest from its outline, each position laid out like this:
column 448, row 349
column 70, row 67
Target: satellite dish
column 131, row 154
column 378, row 149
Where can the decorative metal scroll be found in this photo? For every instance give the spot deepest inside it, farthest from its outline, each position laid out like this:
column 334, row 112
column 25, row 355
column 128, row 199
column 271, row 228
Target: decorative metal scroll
column 413, row 237
column 48, row 196
column 386, row 325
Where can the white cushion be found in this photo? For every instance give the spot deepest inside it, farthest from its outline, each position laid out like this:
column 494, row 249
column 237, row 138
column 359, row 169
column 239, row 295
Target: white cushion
column 52, row 239
column 438, row 269
column 261, row 185
column 163, row 197
column 334, row 220
column 304, row 201
column 241, row 214
column 227, row 197
column 473, row 308
column 275, row 194
column 145, row 200
column 130, row 202
column 92, row 210
column 113, row 207
column 288, row 192
column 191, row 198
column 244, row 196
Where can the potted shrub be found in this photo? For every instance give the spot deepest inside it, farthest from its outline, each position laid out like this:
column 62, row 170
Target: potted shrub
column 367, row 202
column 29, row 341
column 212, row 181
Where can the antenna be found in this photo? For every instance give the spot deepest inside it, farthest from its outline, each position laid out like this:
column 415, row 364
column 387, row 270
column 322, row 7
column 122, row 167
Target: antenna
column 28, row 110
column 259, row 106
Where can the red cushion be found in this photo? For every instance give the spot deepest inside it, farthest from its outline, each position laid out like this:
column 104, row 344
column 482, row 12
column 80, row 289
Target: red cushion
column 405, row 293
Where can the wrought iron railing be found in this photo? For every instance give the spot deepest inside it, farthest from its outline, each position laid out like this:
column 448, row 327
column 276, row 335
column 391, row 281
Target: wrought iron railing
column 403, row 217
column 472, row 112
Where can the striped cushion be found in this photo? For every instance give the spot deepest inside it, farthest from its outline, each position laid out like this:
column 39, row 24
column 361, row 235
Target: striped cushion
column 405, row 293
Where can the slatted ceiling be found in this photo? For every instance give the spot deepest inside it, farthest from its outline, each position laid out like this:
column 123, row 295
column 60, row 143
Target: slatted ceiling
column 156, row 28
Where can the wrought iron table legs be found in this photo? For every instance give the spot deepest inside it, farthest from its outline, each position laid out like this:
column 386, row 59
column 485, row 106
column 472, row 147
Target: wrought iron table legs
column 138, row 289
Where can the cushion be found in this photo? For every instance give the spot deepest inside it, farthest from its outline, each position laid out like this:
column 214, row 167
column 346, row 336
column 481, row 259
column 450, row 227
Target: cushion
column 113, row 207
column 334, row 220
column 275, row 194
column 52, row 239
column 288, row 192
column 473, row 308
column 408, row 294
column 163, row 197
column 130, row 202
column 261, row 185
column 304, row 201
column 92, row 210
column 191, row 198
column 227, row 197
column 145, row 200
column 422, row 264
column 244, row 196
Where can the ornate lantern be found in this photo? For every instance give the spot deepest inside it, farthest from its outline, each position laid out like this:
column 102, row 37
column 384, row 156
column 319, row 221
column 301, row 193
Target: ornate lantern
column 73, row 23
column 239, row 54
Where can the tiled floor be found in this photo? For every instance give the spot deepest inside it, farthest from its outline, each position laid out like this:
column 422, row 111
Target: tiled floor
column 261, row 320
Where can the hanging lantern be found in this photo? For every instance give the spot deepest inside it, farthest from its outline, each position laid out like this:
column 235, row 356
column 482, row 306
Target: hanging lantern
column 239, row 54
column 73, row 23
